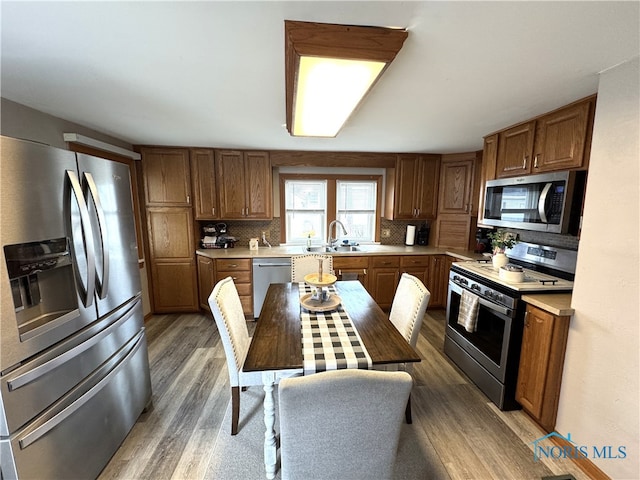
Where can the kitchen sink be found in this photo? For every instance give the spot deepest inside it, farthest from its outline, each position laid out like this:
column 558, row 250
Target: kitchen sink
column 336, row 249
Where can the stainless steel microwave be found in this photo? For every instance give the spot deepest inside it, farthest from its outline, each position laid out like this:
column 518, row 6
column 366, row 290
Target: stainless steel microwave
column 549, row 202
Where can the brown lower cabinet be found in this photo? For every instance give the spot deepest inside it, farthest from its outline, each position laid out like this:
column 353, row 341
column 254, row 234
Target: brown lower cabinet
column 239, row 269
column 436, row 282
column 541, row 360
column 172, row 263
column 416, row 265
column 352, row 266
column 384, row 279
column 206, row 280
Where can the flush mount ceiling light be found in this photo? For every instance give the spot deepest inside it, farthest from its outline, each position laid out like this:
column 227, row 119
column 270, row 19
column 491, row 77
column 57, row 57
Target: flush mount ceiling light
column 329, row 70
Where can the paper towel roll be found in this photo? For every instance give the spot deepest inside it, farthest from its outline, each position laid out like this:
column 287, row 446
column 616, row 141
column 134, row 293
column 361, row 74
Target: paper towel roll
column 411, row 235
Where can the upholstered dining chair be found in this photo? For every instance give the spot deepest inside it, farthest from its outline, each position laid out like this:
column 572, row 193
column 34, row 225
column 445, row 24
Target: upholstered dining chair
column 407, row 311
column 302, row 265
column 229, row 317
column 341, row 424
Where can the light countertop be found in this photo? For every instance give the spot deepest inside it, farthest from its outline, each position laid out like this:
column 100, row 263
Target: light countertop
column 555, row 303
column 288, row 251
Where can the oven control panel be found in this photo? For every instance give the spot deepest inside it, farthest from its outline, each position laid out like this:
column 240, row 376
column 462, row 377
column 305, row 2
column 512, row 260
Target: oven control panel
column 482, row 290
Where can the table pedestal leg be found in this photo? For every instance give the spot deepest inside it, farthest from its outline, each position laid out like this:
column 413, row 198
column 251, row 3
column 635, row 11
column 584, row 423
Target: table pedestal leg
column 270, row 447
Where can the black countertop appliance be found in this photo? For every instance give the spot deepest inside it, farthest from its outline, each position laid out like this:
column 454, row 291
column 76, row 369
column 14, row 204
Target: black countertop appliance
column 422, row 237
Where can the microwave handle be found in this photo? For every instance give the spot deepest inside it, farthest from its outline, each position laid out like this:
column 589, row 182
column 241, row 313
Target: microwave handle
column 542, row 202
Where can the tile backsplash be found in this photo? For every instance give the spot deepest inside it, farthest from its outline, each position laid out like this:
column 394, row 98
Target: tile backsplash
column 245, row 230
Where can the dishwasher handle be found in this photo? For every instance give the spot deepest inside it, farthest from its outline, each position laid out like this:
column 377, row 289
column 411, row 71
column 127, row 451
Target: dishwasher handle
column 268, row 265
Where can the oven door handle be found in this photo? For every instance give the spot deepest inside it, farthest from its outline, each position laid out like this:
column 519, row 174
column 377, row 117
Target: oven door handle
column 454, row 287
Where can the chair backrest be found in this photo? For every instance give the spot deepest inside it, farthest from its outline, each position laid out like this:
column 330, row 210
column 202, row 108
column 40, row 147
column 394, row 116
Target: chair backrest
column 226, row 307
column 341, row 423
column 409, row 306
column 302, row 265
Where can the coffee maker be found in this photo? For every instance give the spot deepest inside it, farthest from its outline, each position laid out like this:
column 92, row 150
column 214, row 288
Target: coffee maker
column 422, row 237
column 483, row 242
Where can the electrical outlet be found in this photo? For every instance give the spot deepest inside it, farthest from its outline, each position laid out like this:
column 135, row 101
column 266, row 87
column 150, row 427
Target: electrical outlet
column 386, row 233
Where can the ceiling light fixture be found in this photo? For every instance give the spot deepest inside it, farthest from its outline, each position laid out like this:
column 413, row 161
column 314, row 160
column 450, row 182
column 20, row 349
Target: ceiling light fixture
column 329, row 69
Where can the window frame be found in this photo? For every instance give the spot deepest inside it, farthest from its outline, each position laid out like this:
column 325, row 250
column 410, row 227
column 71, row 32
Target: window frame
column 331, row 180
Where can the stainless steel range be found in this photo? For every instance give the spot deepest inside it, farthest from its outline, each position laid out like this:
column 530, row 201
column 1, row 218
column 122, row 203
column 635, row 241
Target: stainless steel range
column 489, row 352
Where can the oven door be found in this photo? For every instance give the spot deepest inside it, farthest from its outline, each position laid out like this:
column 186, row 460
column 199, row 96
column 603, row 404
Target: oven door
column 489, row 343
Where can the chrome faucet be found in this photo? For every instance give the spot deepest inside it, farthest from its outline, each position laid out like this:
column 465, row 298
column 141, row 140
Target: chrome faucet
column 331, row 240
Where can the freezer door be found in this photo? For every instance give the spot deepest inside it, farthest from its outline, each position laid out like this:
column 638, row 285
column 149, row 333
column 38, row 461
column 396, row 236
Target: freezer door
column 37, row 190
column 43, row 380
column 76, row 437
column 107, row 188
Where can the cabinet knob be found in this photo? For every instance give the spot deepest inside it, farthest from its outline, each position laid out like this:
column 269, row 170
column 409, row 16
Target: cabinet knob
column 535, row 161
column 188, row 198
column 526, row 319
column 524, row 162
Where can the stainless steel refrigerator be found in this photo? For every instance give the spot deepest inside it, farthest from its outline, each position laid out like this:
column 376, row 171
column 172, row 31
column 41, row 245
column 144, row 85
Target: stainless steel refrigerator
column 74, row 368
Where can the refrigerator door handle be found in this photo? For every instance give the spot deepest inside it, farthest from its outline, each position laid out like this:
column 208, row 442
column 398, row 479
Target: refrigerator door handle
column 40, row 370
column 88, row 290
column 102, row 286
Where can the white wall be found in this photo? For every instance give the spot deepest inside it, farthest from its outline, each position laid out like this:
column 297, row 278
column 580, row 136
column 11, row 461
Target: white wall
column 600, row 387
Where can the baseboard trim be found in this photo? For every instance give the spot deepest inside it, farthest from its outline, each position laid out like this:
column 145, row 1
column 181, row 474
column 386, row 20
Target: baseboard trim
column 584, row 464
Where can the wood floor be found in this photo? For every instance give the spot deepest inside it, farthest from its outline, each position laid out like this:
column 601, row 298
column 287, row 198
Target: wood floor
column 473, row 439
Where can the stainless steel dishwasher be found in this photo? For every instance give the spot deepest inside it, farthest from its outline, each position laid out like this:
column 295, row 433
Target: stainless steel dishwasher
column 265, row 272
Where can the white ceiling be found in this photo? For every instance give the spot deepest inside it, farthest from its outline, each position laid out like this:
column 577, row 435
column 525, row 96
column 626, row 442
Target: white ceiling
column 212, row 73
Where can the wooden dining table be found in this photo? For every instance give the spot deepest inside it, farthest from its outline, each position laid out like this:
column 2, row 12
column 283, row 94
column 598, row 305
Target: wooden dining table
column 276, row 346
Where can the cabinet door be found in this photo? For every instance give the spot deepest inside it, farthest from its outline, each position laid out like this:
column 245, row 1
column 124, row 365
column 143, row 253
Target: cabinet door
column 534, row 359
column 231, row 191
column 544, row 343
column 560, row 139
column 515, row 148
column 170, row 233
column 404, row 206
column 259, row 190
column 206, row 280
column 456, row 180
column 426, row 188
column 203, row 174
column 382, row 285
column 166, row 177
column 435, row 283
column 455, row 231
column 489, row 160
column 174, row 287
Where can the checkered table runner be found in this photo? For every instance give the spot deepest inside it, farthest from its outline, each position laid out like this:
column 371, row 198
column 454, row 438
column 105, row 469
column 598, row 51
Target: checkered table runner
column 329, row 339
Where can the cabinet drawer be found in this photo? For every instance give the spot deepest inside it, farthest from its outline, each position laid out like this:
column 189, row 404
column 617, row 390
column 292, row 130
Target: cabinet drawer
column 350, row 263
column 244, row 289
column 238, row 277
column 384, row 261
column 414, row 261
column 247, row 305
column 233, row 264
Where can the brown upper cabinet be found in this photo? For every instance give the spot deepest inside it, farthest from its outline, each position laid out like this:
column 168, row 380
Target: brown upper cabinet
column 459, row 190
column 456, row 183
column 412, row 187
column 244, row 189
column 558, row 140
column 166, row 177
column 203, row 175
